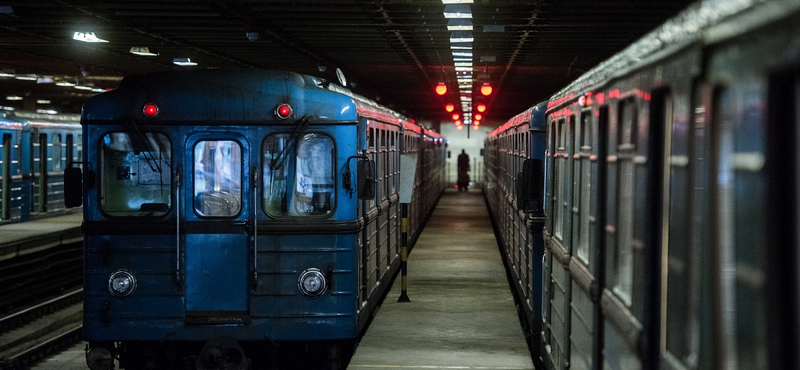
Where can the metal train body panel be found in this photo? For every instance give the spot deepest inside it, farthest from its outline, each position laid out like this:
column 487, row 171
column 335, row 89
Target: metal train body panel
column 671, row 227
column 522, row 138
column 229, row 206
column 28, row 189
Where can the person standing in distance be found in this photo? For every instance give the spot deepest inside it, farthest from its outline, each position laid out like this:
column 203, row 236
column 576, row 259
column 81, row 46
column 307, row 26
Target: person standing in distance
column 463, row 172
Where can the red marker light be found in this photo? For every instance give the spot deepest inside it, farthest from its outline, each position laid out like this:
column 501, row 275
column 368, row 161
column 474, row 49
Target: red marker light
column 455, row 116
column 283, row 111
column 459, row 127
column 150, row 110
column 441, row 88
column 481, row 107
column 478, row 117
column 458, row 123
column 449, row 107
column 486, row 89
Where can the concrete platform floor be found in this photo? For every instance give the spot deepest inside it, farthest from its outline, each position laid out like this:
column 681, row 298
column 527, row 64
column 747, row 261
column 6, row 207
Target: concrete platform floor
column 462, row 313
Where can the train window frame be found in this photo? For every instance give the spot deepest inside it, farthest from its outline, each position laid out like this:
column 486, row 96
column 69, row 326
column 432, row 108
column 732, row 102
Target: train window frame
column 291, row 212
column 583, row 244
column 155, row 211
column 626, row 200
column 56, row 153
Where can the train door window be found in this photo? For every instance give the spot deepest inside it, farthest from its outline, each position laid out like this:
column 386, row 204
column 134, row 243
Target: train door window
column 217, row 178
column 585, row 188
column 135, row 175
column 70, row 150
column 79, row 149
column 302, row 184
column 57, row 153
column 625, row 200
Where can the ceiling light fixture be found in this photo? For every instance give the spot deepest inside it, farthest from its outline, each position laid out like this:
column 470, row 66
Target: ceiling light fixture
column 461, row 36
column 457, row 11
column 13, row 97
column 183, row 62
column 65, row 83
column 27, row 77
column 87, row 37
column 42, row 101
column 459, row 24
column 144, row 51
column 45, row 80
column 456, row 2
column 466, row 54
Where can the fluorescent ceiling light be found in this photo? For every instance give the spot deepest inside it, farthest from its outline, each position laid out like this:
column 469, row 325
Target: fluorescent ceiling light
column 97, row 89
column 466, row 98
column 461, row 69
column 8, row 108
column 459, row 24
column 6, row 74
column 465, row 86
column 461, row 36
column 467, row 54
column 457, row 11
column 183, row 62
column 46, row 111
column 45, row 80
column 28, row 77
column 144, row 51
column 456, row 2
column 41, row 101
column 461, row 46
column 13, row 97
column 463, row 64
column 87, row 37
column 83, row 87
column 65, row 83
column 462, row 59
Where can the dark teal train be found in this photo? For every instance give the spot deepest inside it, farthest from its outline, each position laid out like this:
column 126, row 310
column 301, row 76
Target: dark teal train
column 35, row 148
column 671, row 189
column 229, row 213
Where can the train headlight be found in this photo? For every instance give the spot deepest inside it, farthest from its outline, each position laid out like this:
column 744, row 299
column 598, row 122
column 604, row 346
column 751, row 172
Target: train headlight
column 312, row 282
column 121, row 283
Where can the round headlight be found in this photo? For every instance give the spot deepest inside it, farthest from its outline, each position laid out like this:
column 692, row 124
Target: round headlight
column 312, row 282
column 121, row 283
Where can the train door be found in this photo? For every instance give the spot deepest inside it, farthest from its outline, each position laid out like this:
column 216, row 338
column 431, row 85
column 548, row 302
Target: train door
column 217, row 240
column 42, row 183
column 6, row 173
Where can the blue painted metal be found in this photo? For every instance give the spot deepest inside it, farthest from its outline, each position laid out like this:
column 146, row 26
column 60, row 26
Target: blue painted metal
column 216, row 254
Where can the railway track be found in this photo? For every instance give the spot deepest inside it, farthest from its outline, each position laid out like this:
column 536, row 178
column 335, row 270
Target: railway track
column 41, row 309
column 29, row 335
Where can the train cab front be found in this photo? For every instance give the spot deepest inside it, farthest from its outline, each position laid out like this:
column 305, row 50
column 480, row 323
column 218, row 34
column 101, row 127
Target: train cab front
column 206, row 244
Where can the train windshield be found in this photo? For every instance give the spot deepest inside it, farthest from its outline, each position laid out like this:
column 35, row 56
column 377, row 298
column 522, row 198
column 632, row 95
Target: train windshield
column 135, row 174
column 304, row 183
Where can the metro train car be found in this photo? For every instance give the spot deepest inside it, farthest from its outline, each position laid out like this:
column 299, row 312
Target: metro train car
column 514, row 148
column 231, row 214
column 671, row 199
column 34, row 151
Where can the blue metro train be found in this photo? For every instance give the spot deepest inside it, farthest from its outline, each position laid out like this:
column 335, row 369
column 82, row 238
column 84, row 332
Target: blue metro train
column 228, row 213
column 34, row 151
column 670, row 196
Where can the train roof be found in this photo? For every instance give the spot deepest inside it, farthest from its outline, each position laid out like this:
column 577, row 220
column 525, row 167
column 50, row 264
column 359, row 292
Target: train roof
column 533, row 116
column 703, row 22
column 232, row 96
column 23, row 120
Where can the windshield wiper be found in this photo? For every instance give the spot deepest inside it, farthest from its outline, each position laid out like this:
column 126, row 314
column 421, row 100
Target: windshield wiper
column 141, row 144
column 300, row 127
